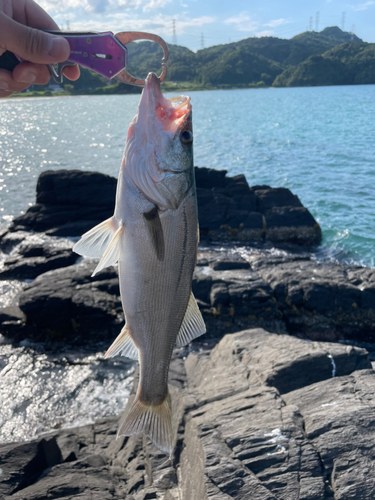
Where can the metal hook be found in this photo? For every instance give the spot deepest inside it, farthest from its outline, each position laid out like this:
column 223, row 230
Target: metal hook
column 131, row 36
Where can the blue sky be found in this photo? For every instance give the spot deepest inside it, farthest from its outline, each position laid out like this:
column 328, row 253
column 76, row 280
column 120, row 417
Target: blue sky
column 202, row 23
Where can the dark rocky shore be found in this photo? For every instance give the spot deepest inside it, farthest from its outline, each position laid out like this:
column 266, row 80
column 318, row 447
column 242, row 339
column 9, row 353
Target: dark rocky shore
column 274, row 402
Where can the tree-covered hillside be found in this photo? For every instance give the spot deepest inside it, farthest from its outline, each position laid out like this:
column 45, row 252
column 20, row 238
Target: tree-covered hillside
column 330, row 57
column 347, row 64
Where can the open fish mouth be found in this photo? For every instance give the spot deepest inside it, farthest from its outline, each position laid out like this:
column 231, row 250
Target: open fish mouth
column 173, row 113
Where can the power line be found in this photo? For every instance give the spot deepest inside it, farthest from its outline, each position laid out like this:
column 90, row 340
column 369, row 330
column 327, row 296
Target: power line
column 317, row 21
column 174, row 36
column 311, row 23
column 202, row 41
column 343, row 15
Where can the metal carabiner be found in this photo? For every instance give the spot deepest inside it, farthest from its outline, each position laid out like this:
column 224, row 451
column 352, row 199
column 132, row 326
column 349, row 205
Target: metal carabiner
column 130, row 36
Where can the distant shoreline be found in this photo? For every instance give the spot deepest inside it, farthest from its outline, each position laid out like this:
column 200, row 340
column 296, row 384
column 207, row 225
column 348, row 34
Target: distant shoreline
column 166, row 87
column 169, row 88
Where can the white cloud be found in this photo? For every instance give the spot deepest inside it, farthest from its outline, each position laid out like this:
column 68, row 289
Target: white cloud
column 276, row 22
column 264, row 33
column 145, row 5
column 363, row 6
column 100, row 6
column 53, row 6
column 159, row 24
column 242, row 22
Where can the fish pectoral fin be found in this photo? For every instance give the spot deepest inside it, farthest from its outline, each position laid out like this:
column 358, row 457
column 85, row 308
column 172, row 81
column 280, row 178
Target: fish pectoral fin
column 123, row 345
column 153, row 420
column 94, row 242
column 111, row 255
column 155, row 231
column 192, row 325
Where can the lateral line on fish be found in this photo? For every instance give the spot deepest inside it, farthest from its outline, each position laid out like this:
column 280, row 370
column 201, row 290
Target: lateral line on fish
column 183, row 248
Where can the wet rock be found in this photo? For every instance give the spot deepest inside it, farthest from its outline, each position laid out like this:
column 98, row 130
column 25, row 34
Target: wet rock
column 70, row 202
column 282, row 293
column 323, row 300
column 268, row 198
column 338, row 418
column 229, row 210
column 242, row 430
column 33, row 254
column 245, row 439
column 232, row 296
column 68, row 304
column 11, row 313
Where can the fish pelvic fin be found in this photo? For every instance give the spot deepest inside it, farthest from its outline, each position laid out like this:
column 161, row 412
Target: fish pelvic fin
column 192, row 325
column 94, row 242
column 111, row 255
column 153, row 420
column 123, row 345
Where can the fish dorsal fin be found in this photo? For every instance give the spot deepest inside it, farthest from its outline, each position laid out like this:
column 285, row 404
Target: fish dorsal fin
column 94, row 242
column 192, row 325
column 155, row 231
column 123, row 345
column 111, row 255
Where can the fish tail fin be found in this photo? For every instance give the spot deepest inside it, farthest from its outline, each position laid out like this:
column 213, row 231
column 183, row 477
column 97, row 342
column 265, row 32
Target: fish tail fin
column 153, row 420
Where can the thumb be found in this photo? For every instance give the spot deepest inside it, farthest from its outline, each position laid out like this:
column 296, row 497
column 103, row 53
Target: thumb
column 31, row 44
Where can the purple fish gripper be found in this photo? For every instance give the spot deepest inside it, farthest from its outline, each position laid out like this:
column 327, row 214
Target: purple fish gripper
column 101, row 52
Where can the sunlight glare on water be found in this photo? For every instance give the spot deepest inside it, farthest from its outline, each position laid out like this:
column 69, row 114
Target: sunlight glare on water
column 58, row 391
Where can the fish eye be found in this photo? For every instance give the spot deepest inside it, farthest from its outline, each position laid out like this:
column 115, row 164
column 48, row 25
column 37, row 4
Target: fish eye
column 187, row 136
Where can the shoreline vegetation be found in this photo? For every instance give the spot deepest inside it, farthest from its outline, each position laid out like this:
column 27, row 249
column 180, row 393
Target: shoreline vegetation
column 329, row 57
column 114, row 89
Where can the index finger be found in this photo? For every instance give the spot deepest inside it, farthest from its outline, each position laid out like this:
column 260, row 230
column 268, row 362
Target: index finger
column 31, row 14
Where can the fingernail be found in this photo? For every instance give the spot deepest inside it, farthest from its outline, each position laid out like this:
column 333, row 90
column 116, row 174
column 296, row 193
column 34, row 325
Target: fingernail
column 27, row 77
column 56, row 47
column 4, row 85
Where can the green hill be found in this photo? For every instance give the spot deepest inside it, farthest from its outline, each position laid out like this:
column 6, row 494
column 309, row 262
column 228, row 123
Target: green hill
column 330, row 57
column 346, row 64
column 241, row 63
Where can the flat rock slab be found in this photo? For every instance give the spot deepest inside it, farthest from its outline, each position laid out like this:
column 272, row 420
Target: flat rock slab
column 242, row 431
column 253, row 441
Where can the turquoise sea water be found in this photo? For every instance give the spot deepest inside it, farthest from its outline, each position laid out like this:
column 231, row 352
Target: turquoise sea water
column 319, row 142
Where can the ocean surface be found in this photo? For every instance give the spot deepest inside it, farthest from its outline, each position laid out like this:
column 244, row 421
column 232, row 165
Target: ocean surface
column 318, row 142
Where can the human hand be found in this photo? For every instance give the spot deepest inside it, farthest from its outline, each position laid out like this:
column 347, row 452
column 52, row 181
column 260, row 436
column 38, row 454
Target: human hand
column 20, row 25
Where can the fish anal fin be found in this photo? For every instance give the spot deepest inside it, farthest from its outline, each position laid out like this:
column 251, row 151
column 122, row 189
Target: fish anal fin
column 155, row 231
column 153, row 420
column 111, row 255
column 192, row 325
column 123, row 345
column 94, row 242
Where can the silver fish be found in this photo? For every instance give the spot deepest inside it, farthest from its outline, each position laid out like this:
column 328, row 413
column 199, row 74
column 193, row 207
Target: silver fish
column 153, row 235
